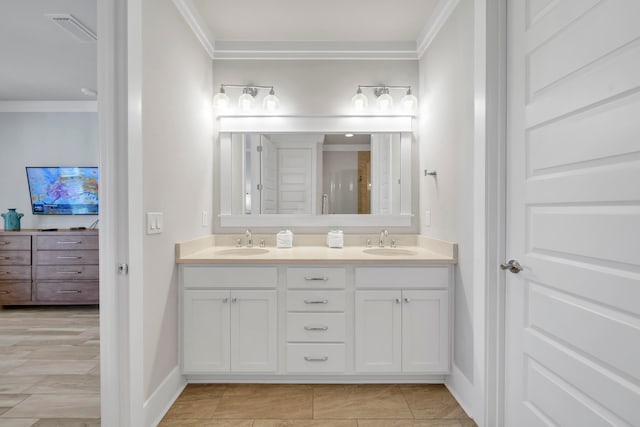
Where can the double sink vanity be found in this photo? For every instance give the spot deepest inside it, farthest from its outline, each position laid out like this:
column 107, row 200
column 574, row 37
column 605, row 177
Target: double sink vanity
column 310, row 313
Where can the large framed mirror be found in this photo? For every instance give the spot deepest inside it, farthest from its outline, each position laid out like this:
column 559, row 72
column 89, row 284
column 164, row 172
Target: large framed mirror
column 296, row 178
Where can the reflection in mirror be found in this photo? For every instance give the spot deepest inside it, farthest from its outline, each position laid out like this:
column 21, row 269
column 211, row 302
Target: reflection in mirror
column 316, row 174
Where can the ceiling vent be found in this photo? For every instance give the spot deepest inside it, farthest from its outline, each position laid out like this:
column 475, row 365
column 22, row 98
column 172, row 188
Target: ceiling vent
column 69, row 23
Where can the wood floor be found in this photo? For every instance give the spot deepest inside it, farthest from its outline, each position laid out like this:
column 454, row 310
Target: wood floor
column 49, row 367
column 271, row 405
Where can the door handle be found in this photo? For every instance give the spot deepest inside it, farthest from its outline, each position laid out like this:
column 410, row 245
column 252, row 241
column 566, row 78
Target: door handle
column 513, row 266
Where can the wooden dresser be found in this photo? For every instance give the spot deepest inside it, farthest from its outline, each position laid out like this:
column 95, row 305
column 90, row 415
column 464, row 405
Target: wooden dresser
column 49, row 267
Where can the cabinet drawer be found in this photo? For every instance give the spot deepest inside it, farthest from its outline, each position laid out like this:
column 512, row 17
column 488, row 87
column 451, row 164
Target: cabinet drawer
column 15, row 257
column 67, row 257
column 67, row 272
column 316, row 300
column 15, row 243
column 402, row 277
column 15, row 272
column 73, row 292
column 315, row 357
column 15, row 292
column 230, row 277
column 64, row 242
column 318, row 327
column 323, row 278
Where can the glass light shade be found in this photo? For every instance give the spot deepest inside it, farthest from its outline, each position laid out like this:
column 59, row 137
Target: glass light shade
column 220, row 101
column 359, row 101
column 385, row 102
column 245, row 102
column 409, row 103
column 271, row 102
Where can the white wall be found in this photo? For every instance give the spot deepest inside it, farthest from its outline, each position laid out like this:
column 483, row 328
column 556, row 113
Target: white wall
column 43, row 139
column 446, row 146
column 177, row 134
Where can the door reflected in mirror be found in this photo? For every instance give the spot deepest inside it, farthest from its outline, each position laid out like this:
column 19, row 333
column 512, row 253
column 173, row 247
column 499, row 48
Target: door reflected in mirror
column 316, row 174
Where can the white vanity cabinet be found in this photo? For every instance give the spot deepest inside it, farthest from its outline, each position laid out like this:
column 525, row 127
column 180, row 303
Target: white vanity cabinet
column 320, row 322
column 229, row 330
column 402, row 320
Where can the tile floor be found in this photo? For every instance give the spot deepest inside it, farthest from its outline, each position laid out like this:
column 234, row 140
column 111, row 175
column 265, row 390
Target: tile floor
column 275, row 405
column 49, row 366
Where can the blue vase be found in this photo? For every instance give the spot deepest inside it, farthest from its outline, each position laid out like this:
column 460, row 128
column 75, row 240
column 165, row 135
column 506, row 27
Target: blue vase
column 12, row 220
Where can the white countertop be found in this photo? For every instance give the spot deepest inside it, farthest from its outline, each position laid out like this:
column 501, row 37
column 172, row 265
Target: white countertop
column 416, row 250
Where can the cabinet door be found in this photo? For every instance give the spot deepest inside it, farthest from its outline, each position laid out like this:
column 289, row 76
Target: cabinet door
column 205, row 331
column 378, row 331
column 425, row 331
column 253, row 331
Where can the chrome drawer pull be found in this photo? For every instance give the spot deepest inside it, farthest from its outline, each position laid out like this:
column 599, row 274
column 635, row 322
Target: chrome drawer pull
column 316, row 359
column 70, row 291
column 4, row 242
column 68, row 257
column 4, row 292
column 316, row 328
column 68, row 243
column 69, row 272
column 324, row 279
column 312, row 301
column 4, row 257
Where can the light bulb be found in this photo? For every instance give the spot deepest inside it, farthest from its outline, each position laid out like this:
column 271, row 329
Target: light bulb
column 359, row 101
column 245, row 102
column 385, row 102
column 221, row 100
column 409, row 102
column 271, row 102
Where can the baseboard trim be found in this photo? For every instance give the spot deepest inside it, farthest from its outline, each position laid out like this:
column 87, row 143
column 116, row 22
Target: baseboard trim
column 163, row 397
column 461, row 389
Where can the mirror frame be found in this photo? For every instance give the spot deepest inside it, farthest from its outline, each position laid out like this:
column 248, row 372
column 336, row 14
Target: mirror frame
column 315, row 124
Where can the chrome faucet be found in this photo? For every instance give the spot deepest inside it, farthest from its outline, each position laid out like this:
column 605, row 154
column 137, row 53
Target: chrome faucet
column 249, row 240
column 383, row 233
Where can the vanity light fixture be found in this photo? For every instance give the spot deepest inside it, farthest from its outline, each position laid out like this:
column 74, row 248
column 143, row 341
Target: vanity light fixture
column 246, row 101
column 384, row 100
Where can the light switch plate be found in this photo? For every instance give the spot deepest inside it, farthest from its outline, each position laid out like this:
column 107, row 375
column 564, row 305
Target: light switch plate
column 427, row 218
column 155, row 222
column 205, row 218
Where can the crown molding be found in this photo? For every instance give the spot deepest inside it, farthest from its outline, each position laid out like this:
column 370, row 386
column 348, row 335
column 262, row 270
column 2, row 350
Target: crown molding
column 48, row 106
column 410, row 50
column 441, row 14
column 194, row 20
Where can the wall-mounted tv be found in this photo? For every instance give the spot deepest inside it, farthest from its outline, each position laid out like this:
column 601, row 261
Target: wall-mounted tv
column 63, row 190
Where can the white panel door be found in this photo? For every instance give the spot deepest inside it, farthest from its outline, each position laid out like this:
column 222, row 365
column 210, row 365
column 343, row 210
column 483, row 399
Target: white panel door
column 573, row 313
column 253, row 331
column 269, row 176
column 378, row 331
column 205, row 331
column 425, row 331
column 295, row 174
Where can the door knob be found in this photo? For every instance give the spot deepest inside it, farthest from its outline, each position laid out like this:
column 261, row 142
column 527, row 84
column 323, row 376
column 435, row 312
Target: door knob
column 513, row 266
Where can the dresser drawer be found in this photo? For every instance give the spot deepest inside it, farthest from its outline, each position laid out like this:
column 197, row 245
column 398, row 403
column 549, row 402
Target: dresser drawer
column 15, row 272
column 315, row 357
column 15, row 292
column 315, row 327
column 402, row 277
column 15, row 243
column 70, row 292
column 67, row 272
column 66, row 242
column 321, row 278
column 15, row 257
column 67, row 257
column 316, row 300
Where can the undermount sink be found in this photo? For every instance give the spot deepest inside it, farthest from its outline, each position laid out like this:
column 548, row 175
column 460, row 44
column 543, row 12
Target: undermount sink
column 389, row 251
column 242, row 251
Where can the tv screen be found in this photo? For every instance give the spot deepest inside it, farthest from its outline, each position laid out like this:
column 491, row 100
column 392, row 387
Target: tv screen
column 63, row 190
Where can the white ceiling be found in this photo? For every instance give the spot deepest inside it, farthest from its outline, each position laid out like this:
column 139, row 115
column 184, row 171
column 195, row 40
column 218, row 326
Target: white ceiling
column 316, row 20
column 40, row 61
